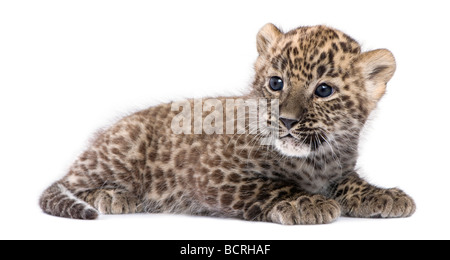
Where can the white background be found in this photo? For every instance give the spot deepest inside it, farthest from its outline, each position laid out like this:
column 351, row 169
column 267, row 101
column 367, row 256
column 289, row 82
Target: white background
column 68, row 68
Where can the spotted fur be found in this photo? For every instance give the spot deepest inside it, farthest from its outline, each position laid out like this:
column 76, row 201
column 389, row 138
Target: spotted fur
column 307, row 177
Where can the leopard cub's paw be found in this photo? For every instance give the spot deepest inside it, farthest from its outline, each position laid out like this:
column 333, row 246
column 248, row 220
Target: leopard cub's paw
column 391, row 203
column 402, row 204
column 307, row 209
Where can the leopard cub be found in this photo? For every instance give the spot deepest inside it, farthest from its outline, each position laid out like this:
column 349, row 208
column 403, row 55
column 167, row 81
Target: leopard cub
column 324, row 88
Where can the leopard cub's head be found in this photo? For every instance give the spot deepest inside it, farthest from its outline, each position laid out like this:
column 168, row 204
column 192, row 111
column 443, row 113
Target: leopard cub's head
column 325, row 86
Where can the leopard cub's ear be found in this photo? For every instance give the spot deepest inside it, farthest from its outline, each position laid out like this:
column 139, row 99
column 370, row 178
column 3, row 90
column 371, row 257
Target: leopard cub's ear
column 266, row 36
column 377, row 67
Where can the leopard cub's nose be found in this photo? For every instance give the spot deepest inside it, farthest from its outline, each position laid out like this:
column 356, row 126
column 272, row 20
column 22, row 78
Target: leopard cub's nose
column 288, row 122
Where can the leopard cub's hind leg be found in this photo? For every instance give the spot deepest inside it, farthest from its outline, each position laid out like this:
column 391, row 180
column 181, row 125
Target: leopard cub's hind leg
column 111, row 201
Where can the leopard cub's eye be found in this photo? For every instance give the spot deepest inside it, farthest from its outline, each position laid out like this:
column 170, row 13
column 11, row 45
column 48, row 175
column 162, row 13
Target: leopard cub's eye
column 276, row 83
column 323, row 90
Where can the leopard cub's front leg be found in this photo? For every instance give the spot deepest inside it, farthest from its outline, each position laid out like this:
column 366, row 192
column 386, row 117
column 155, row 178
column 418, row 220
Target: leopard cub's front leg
column 361, row 199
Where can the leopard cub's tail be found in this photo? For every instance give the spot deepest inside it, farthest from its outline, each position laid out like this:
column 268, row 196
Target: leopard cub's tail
column 57, row 200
